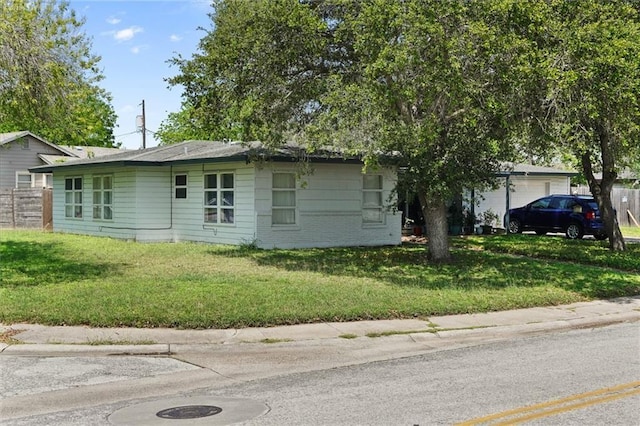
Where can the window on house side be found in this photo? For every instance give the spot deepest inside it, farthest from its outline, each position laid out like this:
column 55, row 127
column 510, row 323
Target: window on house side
column 180, row 186
column 219, row 198
column 283, row 210
column 103, row 197
column 372, row 207
column 73, row 197
column 23, row 180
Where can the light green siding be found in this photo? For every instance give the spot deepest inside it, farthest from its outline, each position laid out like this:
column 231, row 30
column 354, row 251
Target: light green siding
column 328, row 206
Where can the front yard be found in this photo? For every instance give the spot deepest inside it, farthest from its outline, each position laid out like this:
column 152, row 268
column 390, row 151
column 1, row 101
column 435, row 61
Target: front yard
column 60, row 279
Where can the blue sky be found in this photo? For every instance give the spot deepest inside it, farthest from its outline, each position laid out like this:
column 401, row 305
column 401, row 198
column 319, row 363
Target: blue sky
column 135, row 39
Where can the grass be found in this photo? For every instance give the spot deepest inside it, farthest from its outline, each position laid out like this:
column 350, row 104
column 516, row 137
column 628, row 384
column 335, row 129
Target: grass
column 630, row 231
column 59, row 279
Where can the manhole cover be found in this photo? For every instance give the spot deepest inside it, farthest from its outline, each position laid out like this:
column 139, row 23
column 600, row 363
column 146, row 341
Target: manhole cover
column 189, row 412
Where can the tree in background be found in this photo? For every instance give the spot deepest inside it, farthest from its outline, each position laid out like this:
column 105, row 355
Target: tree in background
column 590, row 81
column 49, row 77
column 434, row 81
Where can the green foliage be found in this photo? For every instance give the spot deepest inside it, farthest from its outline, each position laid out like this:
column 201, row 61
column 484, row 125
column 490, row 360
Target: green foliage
column 68, row 279
column 588, row 94
column 431, row 80
column 49, row 77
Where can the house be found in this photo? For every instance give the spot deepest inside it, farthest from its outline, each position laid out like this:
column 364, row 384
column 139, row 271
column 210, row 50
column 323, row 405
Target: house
column 526, row 183
column 229, row 193
column 19, row 151
column 25, row 197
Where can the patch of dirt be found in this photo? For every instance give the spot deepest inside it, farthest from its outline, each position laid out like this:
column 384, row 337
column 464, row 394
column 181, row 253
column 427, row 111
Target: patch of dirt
column 7, row 336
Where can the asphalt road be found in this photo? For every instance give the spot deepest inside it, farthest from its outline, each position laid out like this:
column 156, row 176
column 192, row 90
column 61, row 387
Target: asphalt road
column 457, row 386
column 580, row 377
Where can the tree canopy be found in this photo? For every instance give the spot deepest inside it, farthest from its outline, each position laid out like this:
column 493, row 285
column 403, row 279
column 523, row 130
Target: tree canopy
column 49, row 77
column 455, row 87
column 590, row 100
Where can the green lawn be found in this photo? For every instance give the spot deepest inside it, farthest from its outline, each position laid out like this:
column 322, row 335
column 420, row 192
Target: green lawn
column 630, row 231
column 65, row 279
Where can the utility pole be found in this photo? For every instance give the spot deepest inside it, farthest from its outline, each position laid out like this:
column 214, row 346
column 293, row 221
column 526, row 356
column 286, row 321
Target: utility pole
column 144, row 128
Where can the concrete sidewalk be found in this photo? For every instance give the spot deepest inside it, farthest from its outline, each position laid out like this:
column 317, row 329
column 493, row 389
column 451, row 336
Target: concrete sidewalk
column 37, row 339
column 52, row 375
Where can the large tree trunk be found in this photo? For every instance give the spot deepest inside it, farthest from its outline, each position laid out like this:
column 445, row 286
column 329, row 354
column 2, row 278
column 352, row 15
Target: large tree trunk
column 435, row 217
column 601, row 191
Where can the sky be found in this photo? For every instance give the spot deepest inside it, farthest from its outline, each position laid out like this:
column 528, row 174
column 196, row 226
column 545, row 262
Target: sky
column 135, row 40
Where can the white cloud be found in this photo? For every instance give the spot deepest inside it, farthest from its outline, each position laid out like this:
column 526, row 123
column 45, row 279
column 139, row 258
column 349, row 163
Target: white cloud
column 127, row 33
column 113, row 20
column 137, row 49
column 175, row 37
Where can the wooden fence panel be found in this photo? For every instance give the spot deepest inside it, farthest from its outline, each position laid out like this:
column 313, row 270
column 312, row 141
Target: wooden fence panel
column 23, row 208
column 47, row 209
column 625, row 201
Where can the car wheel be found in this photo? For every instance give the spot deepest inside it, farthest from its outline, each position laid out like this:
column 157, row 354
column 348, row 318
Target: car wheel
column 600, row 237
column 515, row 227
column 574, row 231
column 541, row 232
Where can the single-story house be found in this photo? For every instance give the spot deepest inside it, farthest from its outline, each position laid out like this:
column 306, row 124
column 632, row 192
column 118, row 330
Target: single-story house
column 19, row 151
column 526, row 183
column 229, row 193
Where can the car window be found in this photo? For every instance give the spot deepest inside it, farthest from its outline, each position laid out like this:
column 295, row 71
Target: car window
column 558, row 203
column 574, row 205
column 542, row 203
column 593, row 205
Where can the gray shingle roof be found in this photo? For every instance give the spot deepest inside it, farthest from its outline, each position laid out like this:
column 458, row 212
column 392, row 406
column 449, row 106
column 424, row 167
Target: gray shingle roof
column 202, row 151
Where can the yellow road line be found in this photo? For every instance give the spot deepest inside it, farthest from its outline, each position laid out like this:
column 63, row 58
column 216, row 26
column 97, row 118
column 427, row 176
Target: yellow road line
column 560, row 405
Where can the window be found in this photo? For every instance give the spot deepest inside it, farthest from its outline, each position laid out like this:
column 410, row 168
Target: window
column 102, row 197
column 372, row 199
column 283, row 210
column 23, row 180
column 219, row 198
column 542, row 203
column 48, row 180
column 180, row 186
column 73, row 197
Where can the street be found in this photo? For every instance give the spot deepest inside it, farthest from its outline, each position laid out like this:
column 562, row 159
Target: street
column 579, row 377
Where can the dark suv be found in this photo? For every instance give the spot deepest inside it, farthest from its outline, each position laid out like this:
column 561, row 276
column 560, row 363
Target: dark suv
column 572, row 214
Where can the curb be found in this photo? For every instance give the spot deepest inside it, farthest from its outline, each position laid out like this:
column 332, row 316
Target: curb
column 442, row 335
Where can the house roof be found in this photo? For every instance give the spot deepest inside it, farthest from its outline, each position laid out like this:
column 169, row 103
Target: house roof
column 79, row 152
column 511, row 169
column 203, row 152
column 6, row 138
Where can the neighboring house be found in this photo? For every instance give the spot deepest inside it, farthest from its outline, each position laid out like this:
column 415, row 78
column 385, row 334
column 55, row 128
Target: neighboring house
column 526, row 183
column 229, row 193
column 19, row 151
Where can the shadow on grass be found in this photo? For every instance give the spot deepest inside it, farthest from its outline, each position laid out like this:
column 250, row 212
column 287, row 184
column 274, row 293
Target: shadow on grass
column 471, row 269
column 32, row 263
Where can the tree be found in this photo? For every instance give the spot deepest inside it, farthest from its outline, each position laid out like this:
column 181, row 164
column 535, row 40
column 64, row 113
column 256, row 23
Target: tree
column 591, row 100
column 432, row 80
column 49, row 77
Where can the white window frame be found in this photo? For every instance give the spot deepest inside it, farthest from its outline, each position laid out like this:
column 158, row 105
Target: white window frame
column 103, row 204
column 180, row 187
column 372, row 200
column 276, row 209
column 24, row 174
column 73, row 197
column 219, row 200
